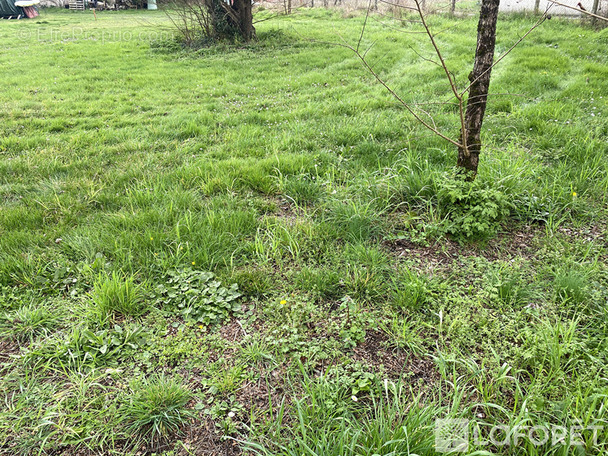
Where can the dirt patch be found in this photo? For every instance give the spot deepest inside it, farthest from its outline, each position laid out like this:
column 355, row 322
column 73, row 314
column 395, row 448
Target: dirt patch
column 202, row 439
column 591, row 233
column 8, row 347
column 520, row 243
column 395, row 363
column 232, row 331
column 269, row 388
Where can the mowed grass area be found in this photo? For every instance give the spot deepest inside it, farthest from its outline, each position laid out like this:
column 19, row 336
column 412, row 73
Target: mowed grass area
column 139, row 182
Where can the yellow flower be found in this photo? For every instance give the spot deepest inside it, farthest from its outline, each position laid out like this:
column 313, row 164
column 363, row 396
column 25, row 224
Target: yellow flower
column 201, row 327
column 573, row 193
column 283, row 302
column 151, row 238
column 193, row 263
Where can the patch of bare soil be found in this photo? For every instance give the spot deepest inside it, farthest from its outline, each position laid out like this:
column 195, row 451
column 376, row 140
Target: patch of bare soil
column 507, row 245
column 201, row 439
column 233, row 331
column 396, row 364
column 8, row 347
column 592, row 233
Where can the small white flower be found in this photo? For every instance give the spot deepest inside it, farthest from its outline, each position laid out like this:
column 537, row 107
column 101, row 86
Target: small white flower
column 230, row 414
column 354, row 398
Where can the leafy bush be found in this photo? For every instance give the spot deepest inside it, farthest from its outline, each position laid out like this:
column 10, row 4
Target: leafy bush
column 197, row 296
column 472, row 209
column 158, row 407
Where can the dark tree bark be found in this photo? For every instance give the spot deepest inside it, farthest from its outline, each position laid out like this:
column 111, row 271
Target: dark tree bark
column 244, row 12
column 470, row 138
column 595, row 9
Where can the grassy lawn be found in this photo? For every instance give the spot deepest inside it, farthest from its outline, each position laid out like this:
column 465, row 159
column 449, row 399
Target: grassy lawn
column 254, row 249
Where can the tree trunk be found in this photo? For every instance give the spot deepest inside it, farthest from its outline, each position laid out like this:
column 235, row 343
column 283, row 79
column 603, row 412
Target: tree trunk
column 595, row 10
column 453, row 7
column 536, row 6
column 470, row 138
column 244, row 13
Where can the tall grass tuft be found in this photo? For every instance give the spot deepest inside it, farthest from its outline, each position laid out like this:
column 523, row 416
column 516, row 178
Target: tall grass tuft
column 116, row 295
column 394, row 423
column 27, row 323
column 157, row 408
column 571, row 285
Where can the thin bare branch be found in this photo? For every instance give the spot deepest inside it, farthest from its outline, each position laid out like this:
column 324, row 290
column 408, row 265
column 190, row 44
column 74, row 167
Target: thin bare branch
column 397, row 5
column 437, row 51
column 451, row 81
column 580, row 10
column 369, row 49
column 530, row 30
column 424, row 58
column 401, row 101
column 369, row 7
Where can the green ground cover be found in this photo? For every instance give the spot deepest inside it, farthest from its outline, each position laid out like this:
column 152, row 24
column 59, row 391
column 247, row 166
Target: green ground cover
column 140, row 181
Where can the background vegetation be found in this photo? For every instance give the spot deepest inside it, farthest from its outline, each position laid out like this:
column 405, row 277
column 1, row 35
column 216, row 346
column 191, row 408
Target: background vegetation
column 140, row 181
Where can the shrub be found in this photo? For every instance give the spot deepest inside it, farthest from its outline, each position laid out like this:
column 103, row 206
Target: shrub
column 471, row 210
column 200, row 22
